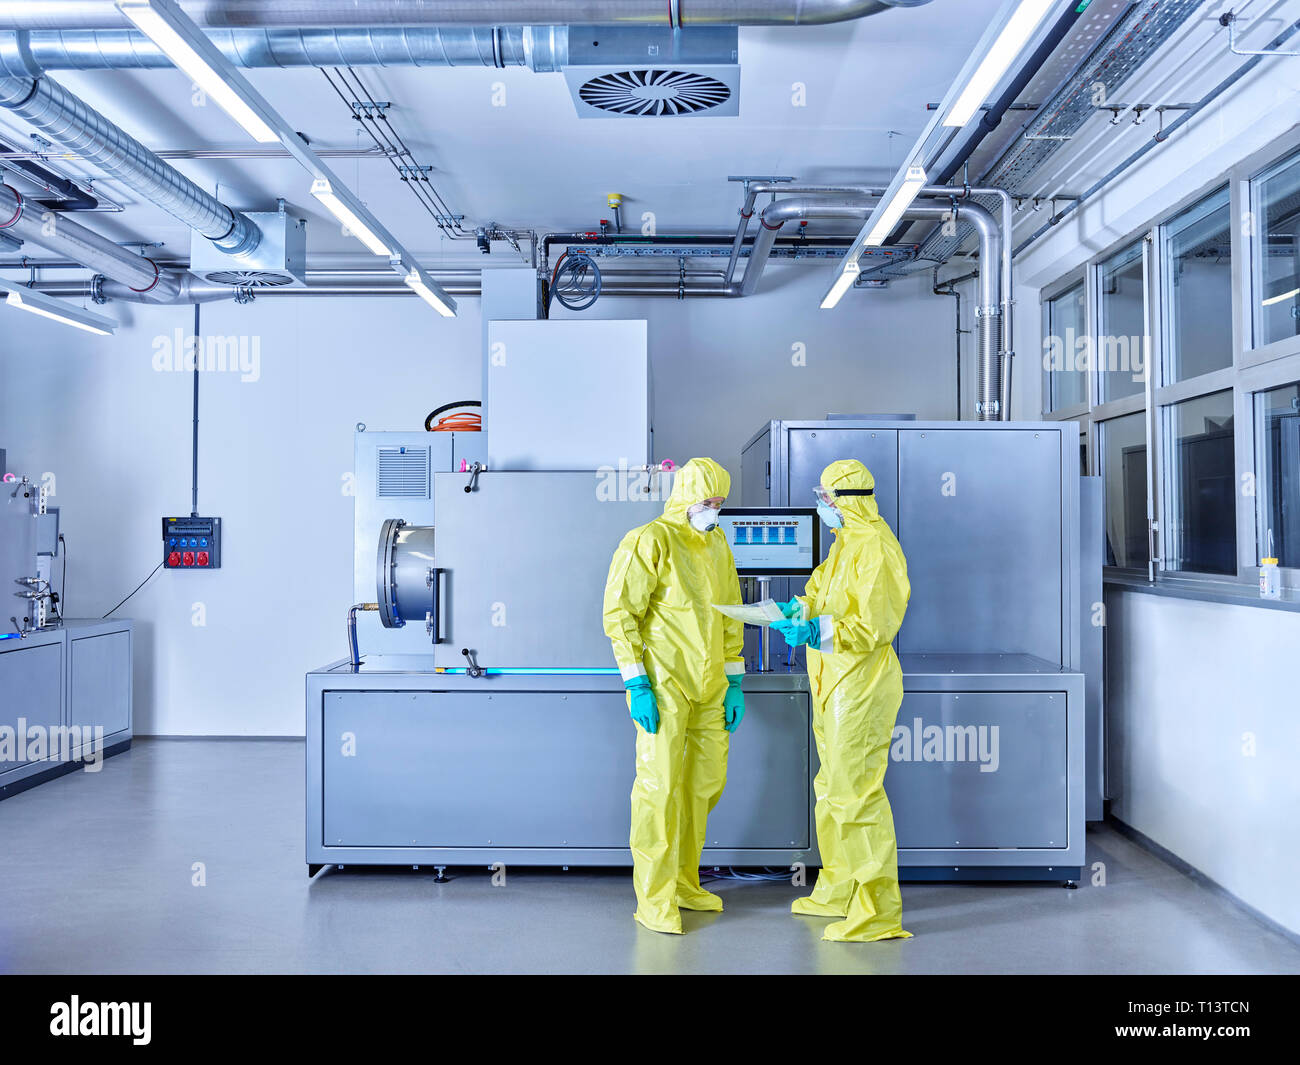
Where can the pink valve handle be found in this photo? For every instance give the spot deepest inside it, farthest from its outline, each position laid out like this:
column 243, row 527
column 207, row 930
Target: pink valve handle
column 464, row 466
column 668, row 465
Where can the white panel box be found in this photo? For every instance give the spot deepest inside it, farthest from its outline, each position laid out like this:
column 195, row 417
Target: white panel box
column 568, row 395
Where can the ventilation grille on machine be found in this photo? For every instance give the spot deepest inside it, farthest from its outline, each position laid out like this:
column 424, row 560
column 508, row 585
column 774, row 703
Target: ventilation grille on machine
column 656, row 92
column 402, row 472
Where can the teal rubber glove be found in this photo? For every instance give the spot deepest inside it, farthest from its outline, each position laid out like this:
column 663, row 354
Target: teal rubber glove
column 798, row 633
column 642, row 705
column 733, row 704
column 790, row 609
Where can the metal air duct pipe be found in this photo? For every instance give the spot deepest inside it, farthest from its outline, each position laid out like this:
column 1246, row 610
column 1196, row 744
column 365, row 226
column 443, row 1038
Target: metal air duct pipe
column 987, row 311
column 958, row 194
column 464, row 283
column 544, row 49
column 67, row 121
column 103, row 14
column 136, row 274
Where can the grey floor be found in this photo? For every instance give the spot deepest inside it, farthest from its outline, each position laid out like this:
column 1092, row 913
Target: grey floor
column 98, row 871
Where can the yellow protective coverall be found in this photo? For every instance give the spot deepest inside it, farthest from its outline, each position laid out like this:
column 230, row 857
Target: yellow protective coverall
column 859, row 594
column 659, row 616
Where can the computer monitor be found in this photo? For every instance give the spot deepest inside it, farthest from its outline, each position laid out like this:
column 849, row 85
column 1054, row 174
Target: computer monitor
column 773, row 541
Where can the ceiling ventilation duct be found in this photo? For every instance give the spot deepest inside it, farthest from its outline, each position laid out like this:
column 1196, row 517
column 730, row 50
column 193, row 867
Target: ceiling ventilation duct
column 278, row 261
column 633, row 72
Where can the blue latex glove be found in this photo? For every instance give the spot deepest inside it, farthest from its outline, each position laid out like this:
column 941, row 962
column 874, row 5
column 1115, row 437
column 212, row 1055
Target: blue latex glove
column 798, row 633
column 789, row 609
column 733, row 704
column 642, row 706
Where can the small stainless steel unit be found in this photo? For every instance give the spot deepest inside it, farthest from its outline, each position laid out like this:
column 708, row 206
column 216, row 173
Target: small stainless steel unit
column 73, row 683
column 1003, row 547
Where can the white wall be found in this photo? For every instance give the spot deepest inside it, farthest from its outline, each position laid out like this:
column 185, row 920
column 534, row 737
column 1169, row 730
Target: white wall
column 1204, row 736
column 115, row 433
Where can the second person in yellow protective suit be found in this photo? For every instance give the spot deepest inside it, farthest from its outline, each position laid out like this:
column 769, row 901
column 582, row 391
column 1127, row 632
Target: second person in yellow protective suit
column 682, row 664
column 848, row 616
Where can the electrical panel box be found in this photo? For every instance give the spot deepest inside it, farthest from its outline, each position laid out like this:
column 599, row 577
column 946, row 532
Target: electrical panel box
column 191, row 543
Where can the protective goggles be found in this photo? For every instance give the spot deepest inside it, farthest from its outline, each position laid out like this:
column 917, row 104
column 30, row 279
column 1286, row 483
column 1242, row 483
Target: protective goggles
column 828, row 498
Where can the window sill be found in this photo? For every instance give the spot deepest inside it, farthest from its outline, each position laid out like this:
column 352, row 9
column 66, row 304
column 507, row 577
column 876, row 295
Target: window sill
column 1209, row 591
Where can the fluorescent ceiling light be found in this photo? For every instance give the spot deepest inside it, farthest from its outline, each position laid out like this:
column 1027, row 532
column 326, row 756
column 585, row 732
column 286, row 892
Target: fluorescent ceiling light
column 1020, row 26
column 321, row 189
column 888, row 216
column 26, row 299
column 154, row 19
column 417, row 281
column 1274, row 300
column 848, row 275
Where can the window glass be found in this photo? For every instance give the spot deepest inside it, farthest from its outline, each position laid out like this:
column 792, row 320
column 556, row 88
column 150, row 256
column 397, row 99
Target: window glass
column 1121, row 340
column 1277, row 468
column 1067, row 324
column 1124, row 470
column 1201, row 530
column 1198, row 288
column 1277, row 253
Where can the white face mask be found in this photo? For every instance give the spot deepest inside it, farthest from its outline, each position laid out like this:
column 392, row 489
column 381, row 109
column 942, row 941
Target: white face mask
column 704, row 520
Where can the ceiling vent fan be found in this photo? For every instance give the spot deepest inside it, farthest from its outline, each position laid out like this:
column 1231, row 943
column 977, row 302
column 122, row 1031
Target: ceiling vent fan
column 653, row 72
column 279, row 260
column 657, row 92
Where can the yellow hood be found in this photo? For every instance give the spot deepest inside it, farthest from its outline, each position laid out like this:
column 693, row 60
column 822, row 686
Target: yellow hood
column 698, row 480
column 845, row 474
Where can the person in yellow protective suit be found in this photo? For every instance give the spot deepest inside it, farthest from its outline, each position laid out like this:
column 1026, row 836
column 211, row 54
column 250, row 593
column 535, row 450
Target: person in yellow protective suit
column 682, row 664
column 848, row 616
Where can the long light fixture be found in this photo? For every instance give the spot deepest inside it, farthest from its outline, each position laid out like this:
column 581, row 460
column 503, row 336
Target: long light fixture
column 1273, row 301
column 26, row 299
column 157, row 20
column 848, row 274
column 888, row 215
column 324, row 191
column 1019, row 27
column 225, row 82
column 417, row 281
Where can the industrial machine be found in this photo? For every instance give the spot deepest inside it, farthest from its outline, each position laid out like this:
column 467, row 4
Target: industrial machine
column 479, row 718
column 1002, row 535
column 65, row 684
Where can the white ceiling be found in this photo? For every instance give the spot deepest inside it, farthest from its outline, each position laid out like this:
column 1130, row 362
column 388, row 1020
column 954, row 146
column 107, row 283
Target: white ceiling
column 533, row 163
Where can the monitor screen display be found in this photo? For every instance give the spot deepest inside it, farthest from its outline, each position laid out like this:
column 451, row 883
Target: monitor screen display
column 772, row 541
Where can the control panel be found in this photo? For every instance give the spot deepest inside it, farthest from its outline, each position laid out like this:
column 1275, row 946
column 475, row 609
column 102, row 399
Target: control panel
column 191, row 543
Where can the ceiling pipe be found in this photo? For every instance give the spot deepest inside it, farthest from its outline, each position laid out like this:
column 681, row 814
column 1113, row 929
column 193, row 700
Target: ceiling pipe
column 63, row 118
column 103, row 14
column 543, row 49
column 988, row 405
column 955, row 195
column 139, row 275
column 462, row 284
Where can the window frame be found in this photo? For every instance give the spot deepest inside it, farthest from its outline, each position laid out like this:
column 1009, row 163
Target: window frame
column 1252, row 371
column 1046, row 298
column 1253, row 169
